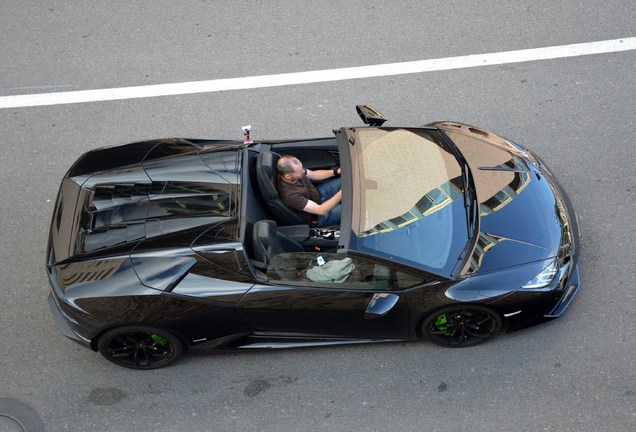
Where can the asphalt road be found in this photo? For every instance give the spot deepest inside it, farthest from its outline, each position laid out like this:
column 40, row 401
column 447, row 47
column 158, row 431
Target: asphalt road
column 576, row 373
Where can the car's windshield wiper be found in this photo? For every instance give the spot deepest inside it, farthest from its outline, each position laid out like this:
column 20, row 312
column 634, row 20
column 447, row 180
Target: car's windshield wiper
column 470, row 197
column 470, row 200
column 471, row 207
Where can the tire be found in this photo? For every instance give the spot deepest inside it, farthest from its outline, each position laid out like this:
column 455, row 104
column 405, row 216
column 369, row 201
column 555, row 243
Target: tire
column 140, row 347
column 461, row 325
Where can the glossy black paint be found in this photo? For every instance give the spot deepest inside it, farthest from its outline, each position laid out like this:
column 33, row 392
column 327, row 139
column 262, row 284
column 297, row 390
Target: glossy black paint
column 322, row 312
column 158, row 234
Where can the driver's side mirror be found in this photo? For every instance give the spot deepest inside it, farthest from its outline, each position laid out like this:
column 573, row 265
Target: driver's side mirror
column 370, row 116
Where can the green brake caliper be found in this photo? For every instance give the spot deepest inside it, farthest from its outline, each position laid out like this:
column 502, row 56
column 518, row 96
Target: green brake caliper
column 158, row 339
column 441, row 322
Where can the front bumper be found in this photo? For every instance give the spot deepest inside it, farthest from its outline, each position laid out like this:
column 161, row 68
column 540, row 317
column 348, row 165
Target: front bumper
column 571, row 287
column 524, row 308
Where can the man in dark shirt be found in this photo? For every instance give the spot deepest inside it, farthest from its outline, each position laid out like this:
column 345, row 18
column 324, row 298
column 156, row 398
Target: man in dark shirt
column 296, row 190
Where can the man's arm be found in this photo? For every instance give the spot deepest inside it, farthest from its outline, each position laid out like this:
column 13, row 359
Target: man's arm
column 324, row 208
column 318, row 175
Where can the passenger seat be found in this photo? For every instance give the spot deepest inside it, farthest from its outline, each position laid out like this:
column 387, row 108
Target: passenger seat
column 267, row 242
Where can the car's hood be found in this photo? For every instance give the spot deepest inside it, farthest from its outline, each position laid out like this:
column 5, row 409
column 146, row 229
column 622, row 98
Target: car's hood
column 521, row 216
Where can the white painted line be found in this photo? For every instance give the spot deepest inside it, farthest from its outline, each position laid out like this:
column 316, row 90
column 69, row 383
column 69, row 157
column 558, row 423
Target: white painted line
column 218, row 85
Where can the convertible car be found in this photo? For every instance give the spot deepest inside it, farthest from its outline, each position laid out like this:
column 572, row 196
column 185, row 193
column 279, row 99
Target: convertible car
column 449, row 233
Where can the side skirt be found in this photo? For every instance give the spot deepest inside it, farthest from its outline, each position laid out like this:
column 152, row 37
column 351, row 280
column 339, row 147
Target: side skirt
column 277, row 340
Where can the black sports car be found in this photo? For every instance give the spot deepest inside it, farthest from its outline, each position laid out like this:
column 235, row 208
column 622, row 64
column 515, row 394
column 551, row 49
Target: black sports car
column 449, row 233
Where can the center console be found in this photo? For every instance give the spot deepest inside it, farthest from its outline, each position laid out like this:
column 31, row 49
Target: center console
column 313, row 239
column 328, row 233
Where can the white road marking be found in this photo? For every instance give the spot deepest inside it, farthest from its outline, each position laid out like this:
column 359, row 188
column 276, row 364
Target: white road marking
column 263, row 81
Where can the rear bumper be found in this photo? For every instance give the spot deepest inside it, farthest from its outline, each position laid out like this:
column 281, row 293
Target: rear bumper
column 66, row 324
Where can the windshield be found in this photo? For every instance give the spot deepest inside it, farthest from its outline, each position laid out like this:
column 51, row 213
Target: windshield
column 408, row 197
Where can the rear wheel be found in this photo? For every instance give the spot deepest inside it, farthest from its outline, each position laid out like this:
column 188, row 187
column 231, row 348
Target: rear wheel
column 461, row 326
column 140, row 347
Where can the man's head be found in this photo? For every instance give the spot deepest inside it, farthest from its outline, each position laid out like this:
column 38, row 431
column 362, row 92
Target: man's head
column 290, row 169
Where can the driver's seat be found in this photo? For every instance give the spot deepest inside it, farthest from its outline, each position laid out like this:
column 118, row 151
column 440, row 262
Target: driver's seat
column 266, row 174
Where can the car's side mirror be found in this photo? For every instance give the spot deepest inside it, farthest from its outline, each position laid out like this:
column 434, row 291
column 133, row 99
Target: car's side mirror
column 370, row 116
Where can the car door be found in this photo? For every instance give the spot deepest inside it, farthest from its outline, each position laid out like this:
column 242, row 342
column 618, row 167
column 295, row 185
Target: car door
column 211, row 280
column 364, row 306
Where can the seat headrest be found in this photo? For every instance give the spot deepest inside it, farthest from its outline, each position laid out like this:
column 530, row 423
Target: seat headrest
column 264, row 241
column 266, row 173
column 267, row 162
column 265, row 232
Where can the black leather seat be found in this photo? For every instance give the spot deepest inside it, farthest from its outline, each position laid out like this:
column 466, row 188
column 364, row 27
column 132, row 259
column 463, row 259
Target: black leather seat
column 266, row 174
column 267, row 242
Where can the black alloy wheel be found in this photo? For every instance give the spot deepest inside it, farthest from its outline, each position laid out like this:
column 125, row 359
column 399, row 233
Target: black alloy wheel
column 140, row 347
column 461, row 326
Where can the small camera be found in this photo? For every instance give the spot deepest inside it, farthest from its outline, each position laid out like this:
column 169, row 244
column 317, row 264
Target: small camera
column 246, row 132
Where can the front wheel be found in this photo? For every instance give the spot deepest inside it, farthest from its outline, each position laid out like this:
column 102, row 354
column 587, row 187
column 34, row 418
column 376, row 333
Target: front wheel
column 461, row 325
column 140, row 347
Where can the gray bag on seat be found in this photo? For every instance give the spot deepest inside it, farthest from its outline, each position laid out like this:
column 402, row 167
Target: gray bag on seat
column 336, row 271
